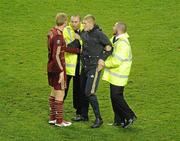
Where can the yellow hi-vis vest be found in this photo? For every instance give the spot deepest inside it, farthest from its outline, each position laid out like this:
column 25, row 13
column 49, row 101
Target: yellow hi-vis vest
column 118, row 65
column 70, row 58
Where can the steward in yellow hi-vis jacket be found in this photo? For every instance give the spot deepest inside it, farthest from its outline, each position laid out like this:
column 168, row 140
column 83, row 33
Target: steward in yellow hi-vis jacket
column 72, row 60
column 116, row 72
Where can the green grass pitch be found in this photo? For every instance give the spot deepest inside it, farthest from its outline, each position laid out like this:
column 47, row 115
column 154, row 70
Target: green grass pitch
column 153, row 91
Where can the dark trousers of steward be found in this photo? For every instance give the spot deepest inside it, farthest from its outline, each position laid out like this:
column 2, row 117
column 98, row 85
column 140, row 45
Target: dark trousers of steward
column 121, row 109
column 76, row 92
column 89, row 84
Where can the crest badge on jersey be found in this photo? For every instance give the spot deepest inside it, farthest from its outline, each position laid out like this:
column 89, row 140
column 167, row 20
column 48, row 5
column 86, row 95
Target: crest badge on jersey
column 58, row 42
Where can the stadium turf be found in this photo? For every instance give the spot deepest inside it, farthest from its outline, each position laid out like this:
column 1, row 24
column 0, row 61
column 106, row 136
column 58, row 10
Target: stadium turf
column 152, row 92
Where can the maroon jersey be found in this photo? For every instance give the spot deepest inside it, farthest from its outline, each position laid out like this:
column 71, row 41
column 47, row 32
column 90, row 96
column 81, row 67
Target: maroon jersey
column 55, row 39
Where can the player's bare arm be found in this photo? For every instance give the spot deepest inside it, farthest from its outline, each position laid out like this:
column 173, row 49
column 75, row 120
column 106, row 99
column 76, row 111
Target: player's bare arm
column 61, row 75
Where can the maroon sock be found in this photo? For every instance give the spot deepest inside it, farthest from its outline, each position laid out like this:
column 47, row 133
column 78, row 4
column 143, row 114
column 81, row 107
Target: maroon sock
column 59, row 111
column 52, row 112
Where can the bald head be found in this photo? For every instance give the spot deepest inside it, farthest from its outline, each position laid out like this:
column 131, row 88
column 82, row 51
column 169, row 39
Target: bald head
column 121, row 27
column 76, row 16
column 75, row 22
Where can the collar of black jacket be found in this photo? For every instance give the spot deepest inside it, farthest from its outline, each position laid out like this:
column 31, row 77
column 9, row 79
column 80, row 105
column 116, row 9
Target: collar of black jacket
column 96, row 27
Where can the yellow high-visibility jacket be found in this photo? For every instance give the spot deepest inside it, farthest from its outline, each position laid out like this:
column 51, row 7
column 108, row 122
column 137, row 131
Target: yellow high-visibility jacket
column 70, row 58
column 118, row 65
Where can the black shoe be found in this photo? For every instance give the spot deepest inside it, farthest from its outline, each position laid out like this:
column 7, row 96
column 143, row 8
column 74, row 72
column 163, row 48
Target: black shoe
column 84, row 119
column 76, row 118
column 129, row 122
column 98, row 122
column 80, row 118
column 120, row 123
column 116, row 124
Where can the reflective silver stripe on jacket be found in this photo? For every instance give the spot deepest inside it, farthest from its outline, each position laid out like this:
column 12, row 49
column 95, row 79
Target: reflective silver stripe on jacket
column 70, row 65
column 116, row 74
column 121, row 59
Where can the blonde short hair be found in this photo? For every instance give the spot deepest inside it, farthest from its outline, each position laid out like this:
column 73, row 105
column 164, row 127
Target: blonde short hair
column 90, row 17
column 61, row 18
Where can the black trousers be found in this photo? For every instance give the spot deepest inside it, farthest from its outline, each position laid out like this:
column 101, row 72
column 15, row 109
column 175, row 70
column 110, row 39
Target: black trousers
column 76, row 92
column 121, row 109
column 89, row 82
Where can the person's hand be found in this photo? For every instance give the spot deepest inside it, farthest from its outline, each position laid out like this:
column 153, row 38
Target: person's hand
column 100, row 65
column 61, row 77
column 76, row 36
column 101, row 62
column 99, row 68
